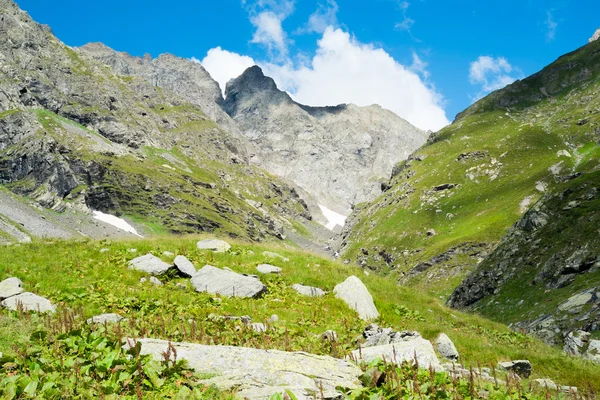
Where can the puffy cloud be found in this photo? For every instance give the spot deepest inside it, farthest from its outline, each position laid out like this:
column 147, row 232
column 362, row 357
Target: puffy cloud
column 267, row 17
column 323, row 17
column 492, row 74
column 224, row 65
column 343, row 70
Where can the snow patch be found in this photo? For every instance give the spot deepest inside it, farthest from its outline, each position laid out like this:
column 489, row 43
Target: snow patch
column 333, row 218
column 116, row 222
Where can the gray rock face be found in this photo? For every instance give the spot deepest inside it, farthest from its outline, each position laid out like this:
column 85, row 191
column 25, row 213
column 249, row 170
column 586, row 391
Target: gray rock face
column 519, row 367
column 576, row 343
column 185, row 266
column 446, row 347
column 216, row 245
column 10, row 287
column 399, row 352
column 356, row 295
column 308, row 290
column 29, row 302
column 105, row 319
column 258, row 374
column 595, row 36
column 337, row 154
column 268, row 269
column 149, row 264
column 226, row 283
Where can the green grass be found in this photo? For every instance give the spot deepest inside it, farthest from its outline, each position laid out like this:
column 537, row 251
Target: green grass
column 76, row 275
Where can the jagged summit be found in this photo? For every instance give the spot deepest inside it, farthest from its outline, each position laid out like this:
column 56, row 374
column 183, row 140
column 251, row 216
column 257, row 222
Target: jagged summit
column 595, row 36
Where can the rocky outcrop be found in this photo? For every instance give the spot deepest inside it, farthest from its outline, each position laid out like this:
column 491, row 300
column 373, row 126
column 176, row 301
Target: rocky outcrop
column 339, row 155
column 259, row 374
column 356, row 295
column 595, row 36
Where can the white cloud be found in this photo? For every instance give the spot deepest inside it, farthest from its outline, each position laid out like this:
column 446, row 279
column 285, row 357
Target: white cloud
column 267, row 17
column 224, row 65
column 551, row 26
column 323, row 17
column 419, row 66
column 344, row 70
column 492, row 74
column 407, row 22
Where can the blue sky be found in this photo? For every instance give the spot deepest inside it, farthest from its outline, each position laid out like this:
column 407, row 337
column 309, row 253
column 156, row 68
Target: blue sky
column 424, row 59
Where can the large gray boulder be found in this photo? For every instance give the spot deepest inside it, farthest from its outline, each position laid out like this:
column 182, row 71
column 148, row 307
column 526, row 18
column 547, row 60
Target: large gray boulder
column 357, row 296
column 184, row 266
column 28, row 302
column 446, row 347
column 149, row 264
column 309, row 291
column 259, row 374
column 10, row 287
column 216, row 245
column 226, row 283
column 400, row 352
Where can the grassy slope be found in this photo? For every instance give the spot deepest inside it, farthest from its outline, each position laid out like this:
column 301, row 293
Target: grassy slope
column 520, row 132
column 77, row 275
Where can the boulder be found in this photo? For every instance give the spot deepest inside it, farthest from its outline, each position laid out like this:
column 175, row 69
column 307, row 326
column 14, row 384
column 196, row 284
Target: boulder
column 268, row 269
column 216, row 245
column 275, row 255
column 400, row 352
column 519, row 367
column 154, row 280
column 259, row 374
column 226, row 283
column 330, row 336
column 593, row 351
column 184, row 266
column 308, row 290
column 29, row 302
column 356, row 295
column 576, row 343
column 446, row 347
column 105, row 319
column 10, row 287
column 149, row 264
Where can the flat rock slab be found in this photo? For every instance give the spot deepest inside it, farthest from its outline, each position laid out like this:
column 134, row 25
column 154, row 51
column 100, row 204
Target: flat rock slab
column 184, row 266
column 400, row 352
column 105, row 319
column 268, row 269
column 10, row 287
column 258, row 374
column 216, row 245
column 149, row 264
column 29, row 302
column 309, row 291
column 357, row 296
column 226, row 283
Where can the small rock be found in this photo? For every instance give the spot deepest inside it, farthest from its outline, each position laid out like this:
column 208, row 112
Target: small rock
column 258, row 327
column 133, row 250
column 356, row 295
column 29, row 302
column 10, row 287
column 105, row 318
column 330, row 335
column 446, row 347
column 182, row 286
column 155, row 281
column 519, row 367
column 274, row 318
column 397, row 353
column 308, row 290
column 430, row 232
column 216, row 245
column 168, row 254
column 268, row 269
column 143, row 280
column 546, row 383
column 104, row 250
column 185, row 266
column 275, row 255
column 149, row 264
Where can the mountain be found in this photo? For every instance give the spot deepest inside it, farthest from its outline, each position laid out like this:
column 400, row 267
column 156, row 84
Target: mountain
column 339, row 155
column 76, row 137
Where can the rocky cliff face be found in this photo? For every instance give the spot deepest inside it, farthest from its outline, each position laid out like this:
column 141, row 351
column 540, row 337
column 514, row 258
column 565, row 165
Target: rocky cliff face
column 340, row 155
column 595, row 36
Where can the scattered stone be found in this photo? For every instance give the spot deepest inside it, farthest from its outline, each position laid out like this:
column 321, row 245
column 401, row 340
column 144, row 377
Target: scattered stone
column 216, row 245
column 308, row 290
column 576, row 343
column 28, row 302
column 546, row 383
column 226, row 283
column 168, row 254
column 184, row 266
column 259, row 374
column 563, row 153
column 275, row 255
column 133, row 250
column 143, row 280
column 519, row 367
column 258, row 327
column 149, row 264
column 268, row 269
column 105, row 319
column 400, row 352
column 104, row 250
column 446, row 347
column 430, row 232
column 155, row 281
column 274, row 318
column 376, row 336
column 330, row 335
column 356, row 295
column 10, row 287
column 181, row 285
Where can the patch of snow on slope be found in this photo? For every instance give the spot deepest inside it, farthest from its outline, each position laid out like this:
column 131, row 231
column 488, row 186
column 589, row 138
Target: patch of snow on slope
column 116, row 222
column 333, row 218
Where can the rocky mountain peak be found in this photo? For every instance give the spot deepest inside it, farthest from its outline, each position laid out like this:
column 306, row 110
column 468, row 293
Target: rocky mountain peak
column 595, row 36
